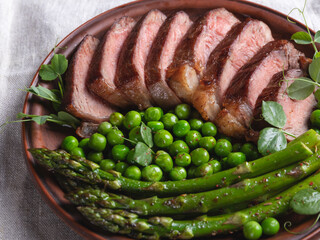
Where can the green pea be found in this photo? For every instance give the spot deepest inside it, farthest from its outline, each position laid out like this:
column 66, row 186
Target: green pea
column 216, row 165
column 95, row 156
column 153, row 114
column 164, row 161
column 207, row 143
column 236, row 158
column 84, row 144
column 250, row 150
column 191, row 171
column 222, row 136
column 116, row 119
column 270, row 226
column 224, row 163
column 121, row 167
column 182, row 159
column 133, row 172
column 152, row 173
column 168, row 120
column 135, row 134
column 209, row 129
column 155, row 125
column 131, row 120
column 192, row 138
column 107, row 164
column 222, row 148
column 97, row 142
column 115, row 137
column 178, row 173
column 196, row 124
column 163, row 138
column 181, row 128
column 199, row 156
column 120, row 152
column 252, row 230
column 69, row 143
column 104, row 128
column 78, row 151
column 203, row 170
column 236, row 147
column 177, row 147
column 183, row 111
column 130, row 158
column 315, row 118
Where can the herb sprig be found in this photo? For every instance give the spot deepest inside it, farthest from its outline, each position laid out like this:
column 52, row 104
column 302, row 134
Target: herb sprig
column 303, row 87
column 273, row 139
column 143, row 152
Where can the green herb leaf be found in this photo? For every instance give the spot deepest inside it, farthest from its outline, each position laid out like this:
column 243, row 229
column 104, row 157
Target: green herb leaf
column 317, row 37
column 142, row 154
column 47, row 73
column 64, row 118
column 301, row 38
column 306, row 201
column 44, row 93
column 271, row 140
column 273, row 113
column 316, row 55
column 59, row 63
column 146, row 134
column 40, row 119
column 301, row 88
column 314, row 69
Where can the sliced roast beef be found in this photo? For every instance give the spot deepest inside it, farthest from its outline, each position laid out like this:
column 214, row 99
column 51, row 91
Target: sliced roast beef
column 130, row 72
column 297, row 112
column 238, row 47
column 161, row 56
column 86, row 129
column 104, row 63
column 78, row 100
column 192, row 54
column 240, row 98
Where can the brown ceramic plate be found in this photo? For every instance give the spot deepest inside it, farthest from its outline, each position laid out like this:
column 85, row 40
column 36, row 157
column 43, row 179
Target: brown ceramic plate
column 50, row 136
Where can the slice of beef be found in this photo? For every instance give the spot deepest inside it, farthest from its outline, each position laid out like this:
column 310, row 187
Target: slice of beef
column 86, row 129
column 240, row 98
column 104, row 63
column 78, row 100
column 161, row 56
column 192, row 54
column 238, row 47
column 297, row 112
column 130, row 72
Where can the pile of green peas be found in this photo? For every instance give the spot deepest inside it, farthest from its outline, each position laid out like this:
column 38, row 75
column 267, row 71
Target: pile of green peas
column 185, row 146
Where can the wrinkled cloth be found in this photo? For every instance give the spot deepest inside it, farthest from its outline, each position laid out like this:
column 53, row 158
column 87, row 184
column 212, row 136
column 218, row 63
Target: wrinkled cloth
column 29, row 29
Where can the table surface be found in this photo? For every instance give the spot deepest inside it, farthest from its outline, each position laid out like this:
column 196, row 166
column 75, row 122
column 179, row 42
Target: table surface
column 28, row 31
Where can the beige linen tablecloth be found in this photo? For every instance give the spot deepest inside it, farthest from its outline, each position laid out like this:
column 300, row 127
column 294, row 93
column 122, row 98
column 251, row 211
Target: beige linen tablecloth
column 28, row 31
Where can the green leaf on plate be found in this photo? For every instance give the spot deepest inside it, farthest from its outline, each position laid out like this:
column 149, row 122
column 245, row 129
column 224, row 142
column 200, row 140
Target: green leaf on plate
column 273, row 113
column 314, row 69
column 47, row 73
column 271, row 140
column 317, row 37
column 306, row 202
column 301, row 88
column 301, row 38
column 146, row 134
column 64, row 118
column 44, row 93
column 40, row 119
column 142, row 154
column 59, row 63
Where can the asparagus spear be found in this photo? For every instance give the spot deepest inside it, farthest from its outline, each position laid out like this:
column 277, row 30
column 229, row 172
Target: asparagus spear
column 90, row 172
column 159, row 227
column 203, row 202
